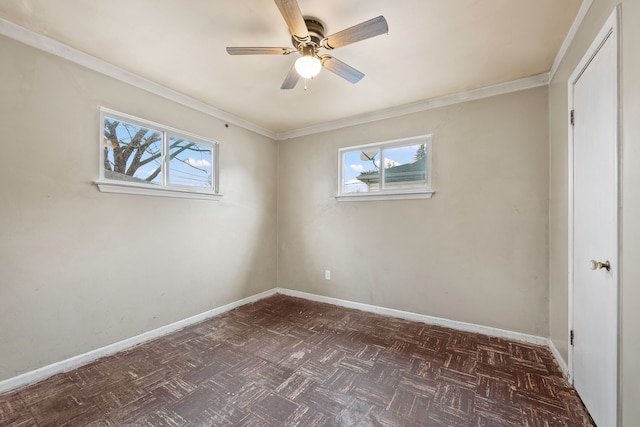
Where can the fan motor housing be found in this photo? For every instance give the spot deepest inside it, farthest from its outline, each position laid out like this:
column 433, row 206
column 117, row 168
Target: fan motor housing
column 316, row 30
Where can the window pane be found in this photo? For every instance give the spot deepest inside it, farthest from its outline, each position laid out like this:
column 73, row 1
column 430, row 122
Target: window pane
column 190, row 163
column 405, row 167
column 132, row 153
column 360, row 171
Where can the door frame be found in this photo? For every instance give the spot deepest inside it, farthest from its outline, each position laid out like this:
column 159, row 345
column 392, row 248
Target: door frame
column 609, row 30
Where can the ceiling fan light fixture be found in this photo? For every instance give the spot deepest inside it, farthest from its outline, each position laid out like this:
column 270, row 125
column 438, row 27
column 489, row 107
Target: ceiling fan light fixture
column 308, row 66
column 308, row 37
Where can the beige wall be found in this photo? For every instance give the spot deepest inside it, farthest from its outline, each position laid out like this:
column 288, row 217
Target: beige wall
column 476, row 252
column 80, row 269
column 630, row 179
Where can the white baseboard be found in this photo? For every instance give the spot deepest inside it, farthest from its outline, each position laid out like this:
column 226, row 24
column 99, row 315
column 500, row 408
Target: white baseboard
column 82, row 359
column 431, row 320
column 447, row 323
column 560, row 360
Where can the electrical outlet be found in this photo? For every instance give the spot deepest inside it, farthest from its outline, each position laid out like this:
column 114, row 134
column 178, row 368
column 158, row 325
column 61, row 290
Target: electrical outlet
column 327, row 275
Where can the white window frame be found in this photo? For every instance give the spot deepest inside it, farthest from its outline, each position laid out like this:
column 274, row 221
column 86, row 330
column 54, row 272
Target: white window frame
column 106, row 185
column 424, row 192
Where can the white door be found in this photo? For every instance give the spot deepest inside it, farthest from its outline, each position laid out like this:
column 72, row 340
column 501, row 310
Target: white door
column 595, row 231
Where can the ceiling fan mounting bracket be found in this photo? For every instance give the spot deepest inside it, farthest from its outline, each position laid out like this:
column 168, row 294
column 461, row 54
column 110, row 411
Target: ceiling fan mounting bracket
column 316, row 30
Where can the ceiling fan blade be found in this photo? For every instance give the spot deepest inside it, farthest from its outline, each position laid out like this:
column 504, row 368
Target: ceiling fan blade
column 292, row 78
column 293, row 17
column 365, row 30
column 259, row 50
column 343, row 70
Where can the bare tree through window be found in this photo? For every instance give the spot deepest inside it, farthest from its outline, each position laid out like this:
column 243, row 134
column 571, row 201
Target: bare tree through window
column 135, row 153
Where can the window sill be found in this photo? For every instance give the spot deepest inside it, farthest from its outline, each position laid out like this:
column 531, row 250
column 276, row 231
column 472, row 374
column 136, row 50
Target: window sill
column 365, row 197
column 143, row 190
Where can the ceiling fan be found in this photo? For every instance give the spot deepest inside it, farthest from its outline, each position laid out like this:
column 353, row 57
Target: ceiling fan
column 307, row 35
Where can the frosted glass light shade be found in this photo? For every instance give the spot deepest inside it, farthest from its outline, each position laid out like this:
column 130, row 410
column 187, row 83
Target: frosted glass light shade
column 308, row 66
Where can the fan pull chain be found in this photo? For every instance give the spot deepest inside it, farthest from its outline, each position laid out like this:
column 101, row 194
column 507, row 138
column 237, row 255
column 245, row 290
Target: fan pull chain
column 305, row 83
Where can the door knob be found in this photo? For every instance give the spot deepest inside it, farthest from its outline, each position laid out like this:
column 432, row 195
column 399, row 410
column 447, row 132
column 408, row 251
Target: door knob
column 595, row 265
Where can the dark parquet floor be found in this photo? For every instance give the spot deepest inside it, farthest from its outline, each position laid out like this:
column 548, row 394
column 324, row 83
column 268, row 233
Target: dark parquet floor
column 287, row 361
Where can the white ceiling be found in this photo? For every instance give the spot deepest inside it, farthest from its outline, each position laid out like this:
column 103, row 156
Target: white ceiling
column 434, row 48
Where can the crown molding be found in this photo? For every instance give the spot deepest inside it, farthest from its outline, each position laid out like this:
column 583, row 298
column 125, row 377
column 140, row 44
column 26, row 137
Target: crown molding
column 428, row 104
column 577, row 22
column 61, row 50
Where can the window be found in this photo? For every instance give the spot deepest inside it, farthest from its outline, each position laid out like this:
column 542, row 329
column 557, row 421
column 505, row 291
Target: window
column 389, row 170
column 142, row 157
